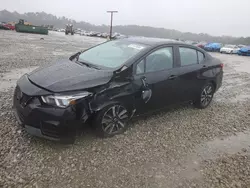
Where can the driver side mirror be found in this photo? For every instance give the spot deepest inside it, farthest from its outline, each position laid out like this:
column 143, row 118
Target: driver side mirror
column 74, row 56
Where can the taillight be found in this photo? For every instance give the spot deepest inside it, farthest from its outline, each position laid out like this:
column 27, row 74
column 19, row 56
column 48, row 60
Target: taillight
column 222, row 65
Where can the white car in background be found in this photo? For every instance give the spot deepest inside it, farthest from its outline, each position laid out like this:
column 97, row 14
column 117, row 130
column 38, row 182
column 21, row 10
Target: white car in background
column 230, row 49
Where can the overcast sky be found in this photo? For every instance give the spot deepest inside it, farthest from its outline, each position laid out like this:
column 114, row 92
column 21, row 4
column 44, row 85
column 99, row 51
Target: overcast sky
column 216, row 17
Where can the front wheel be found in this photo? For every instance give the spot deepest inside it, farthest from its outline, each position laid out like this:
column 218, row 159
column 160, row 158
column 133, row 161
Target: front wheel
column 111, row 120
column 206, row 96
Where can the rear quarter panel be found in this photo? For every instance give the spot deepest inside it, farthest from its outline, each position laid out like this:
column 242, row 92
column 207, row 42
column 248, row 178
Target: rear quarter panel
column 214, row 72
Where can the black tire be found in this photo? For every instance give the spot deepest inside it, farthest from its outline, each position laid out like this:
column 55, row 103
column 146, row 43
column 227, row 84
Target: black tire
column 111, row 120
column 206, row 96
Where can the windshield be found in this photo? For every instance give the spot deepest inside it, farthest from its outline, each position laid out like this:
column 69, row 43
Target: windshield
column 111, row 54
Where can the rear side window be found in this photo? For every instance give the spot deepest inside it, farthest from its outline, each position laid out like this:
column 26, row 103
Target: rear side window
column 201, row 56
column 188, row 56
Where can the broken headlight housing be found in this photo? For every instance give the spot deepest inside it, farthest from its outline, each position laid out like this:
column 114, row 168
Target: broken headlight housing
column 64, row 101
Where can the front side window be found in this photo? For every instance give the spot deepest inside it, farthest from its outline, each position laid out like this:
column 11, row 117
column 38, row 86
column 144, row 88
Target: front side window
column 140, row 67
column 111, row 54
column 188, row 56
column 160, row 60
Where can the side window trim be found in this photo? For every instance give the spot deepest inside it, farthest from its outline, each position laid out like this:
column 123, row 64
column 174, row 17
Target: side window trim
column 197, row 56
column 204, row 57
column 137, row 63
column 173, row 46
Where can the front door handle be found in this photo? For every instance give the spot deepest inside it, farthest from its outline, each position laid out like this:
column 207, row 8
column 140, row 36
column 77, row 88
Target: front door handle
column 172, row 77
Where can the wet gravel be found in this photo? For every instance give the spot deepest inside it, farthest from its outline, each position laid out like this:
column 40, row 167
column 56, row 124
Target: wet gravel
column 178, row 147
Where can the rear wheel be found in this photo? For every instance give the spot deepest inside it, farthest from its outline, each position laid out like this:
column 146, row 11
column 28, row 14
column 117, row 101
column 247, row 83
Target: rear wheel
column 206, row 96
column 111, row 120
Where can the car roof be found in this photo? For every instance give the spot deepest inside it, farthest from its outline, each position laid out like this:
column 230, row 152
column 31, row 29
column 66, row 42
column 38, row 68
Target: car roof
column 152, row 41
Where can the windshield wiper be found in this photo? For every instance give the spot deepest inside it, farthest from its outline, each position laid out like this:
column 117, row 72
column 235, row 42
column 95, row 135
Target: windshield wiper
column 89, row 65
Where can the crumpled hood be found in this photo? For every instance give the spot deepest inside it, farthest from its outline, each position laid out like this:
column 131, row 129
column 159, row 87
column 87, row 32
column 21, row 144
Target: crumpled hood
column 66, row 75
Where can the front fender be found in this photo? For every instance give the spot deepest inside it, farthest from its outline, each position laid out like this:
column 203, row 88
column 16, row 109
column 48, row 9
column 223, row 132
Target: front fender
column 105, row 104
column 122, row 94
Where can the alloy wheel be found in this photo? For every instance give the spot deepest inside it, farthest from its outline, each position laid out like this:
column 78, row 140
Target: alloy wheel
column 207, row 95
column 115, row 119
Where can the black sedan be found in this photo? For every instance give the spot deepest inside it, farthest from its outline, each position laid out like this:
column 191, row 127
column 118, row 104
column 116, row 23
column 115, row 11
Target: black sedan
column 110, row 83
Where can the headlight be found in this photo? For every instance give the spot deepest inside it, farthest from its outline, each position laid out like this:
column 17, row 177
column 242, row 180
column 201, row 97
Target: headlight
column 64, row 101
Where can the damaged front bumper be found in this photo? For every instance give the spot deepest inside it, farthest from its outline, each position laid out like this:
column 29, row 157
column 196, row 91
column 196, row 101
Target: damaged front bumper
column 38, row 119
column 47, row 122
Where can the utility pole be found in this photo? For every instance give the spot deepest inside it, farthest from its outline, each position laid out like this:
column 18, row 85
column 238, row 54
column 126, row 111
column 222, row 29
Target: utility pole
column 111, row 22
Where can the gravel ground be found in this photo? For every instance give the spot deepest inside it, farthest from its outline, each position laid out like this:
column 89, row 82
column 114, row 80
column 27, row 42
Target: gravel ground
column 179, row 147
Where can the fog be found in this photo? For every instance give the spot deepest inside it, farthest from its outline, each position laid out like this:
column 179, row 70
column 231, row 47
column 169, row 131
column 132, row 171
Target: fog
column 215, row 17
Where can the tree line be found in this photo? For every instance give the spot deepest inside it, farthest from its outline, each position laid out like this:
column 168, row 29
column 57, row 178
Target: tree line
column 42, row 18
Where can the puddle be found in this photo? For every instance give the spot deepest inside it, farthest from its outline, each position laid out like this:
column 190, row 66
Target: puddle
column 238, row 63
column 234, row 80
column 7, row 54
column 241, row 97
column 9, row 78
column 232, row 97
column 241, row 66
column 215, row 149
column 229, row 145
column 39, row 47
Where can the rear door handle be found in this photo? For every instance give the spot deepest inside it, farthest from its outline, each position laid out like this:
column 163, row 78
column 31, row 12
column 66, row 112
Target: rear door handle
column 172, row 77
